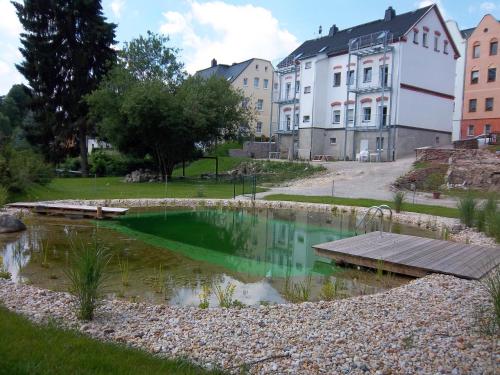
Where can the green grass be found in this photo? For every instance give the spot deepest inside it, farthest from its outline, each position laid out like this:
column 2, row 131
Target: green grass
column 32, row 349
column 200, row 166
column 115, row 188
column 364, row 202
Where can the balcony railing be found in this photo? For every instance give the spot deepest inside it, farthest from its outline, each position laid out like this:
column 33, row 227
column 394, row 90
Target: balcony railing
column 285, row 97
column 286, row 126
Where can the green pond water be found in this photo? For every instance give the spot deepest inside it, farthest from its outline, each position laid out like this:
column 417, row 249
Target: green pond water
column 166, row 256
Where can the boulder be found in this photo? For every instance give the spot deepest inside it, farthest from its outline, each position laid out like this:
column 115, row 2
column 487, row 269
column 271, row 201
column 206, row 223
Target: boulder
column 9, row 224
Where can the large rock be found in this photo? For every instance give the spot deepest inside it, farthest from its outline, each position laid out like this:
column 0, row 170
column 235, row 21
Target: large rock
column 142, row 175
column 9, row 224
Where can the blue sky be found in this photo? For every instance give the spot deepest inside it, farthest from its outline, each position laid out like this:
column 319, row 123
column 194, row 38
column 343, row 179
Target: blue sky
column 235, row 30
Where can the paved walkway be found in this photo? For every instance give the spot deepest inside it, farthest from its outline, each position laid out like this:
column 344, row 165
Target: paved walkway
column 358, row 180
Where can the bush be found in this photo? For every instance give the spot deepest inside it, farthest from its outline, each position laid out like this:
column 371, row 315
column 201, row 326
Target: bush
column 86, row 275
column 4, row 195
column 223, row 149
column 433, row 182
column 493, row 226
column 492, row 285
column 467, row 210
column 398, row 199
column 112, row 163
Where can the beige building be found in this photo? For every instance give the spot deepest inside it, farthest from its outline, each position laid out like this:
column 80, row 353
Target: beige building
column 255, row 78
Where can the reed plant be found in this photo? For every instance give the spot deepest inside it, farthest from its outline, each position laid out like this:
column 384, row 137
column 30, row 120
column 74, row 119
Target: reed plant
column 331, row 290
column 4, row 274
column 467, row 210
column 224, row 294
column 298, row 291
column 43, row 246
column 398, row 199
column 159, row 279
column 86, row 273
column 204, row 296
column 380, row 269
column 492, row 285
column 124, row 271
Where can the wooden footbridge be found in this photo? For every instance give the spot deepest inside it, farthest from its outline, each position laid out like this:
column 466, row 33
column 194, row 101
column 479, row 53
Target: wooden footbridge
column 412, row 256
column 55, row 209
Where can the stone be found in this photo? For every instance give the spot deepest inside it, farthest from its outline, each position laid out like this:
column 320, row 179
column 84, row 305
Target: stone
column 10, row 224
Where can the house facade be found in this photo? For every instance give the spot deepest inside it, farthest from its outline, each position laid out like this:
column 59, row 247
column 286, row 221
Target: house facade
column 255, row 78
column 481, row 101
column 380, row 89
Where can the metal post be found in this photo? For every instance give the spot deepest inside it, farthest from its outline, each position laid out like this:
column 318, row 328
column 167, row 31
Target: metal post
column 271, row 119
column 382, row 102
column 333, row 188
column 293, row 110
column 355, row 119
column 346, row 106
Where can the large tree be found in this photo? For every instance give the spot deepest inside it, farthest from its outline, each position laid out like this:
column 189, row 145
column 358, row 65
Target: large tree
column 67, row 49
column 145, row 106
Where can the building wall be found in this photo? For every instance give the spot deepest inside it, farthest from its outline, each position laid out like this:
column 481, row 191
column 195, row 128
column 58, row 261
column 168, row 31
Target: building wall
column 264, row 71
column 487, row 31
column 461, row 44
column 408, row 139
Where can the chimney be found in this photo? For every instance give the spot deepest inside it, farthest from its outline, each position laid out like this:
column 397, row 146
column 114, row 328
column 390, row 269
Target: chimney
column 333, row 30
column 389, row 14
column 320, row 31
column 214, row 63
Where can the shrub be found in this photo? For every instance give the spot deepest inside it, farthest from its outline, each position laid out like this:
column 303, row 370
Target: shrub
column 4, row 195
column 225, row 294
column 204, row 296
column 86, row 274
column 332, row 290
column 433, row 182
column 493, row 226
column 492, row 284
column 298, row 292
column 467, row 208
column 398, row 199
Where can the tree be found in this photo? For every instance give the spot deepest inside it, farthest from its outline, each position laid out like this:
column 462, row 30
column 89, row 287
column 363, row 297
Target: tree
column 67, row 49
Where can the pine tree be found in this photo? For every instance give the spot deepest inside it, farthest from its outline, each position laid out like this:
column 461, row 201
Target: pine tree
column 67, row 50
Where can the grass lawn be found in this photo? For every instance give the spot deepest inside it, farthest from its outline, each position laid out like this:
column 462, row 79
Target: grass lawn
column 363, row 202
column 27, row 348
column 114, row 187
column 200, row 166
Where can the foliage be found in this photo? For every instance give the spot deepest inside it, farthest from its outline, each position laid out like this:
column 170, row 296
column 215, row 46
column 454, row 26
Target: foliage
column 222, row 149
column 298, row 291
column 124, row 270
column 207, row 166
column 492, row 285
column 493, row 226
column 86, row 274
column 433, row 182
column 332, row 290
column 28, row 348
column 204, row 296
column 467, row 209
column 54, row 33
column 4, row 195
column 225, row 294
column 4, row 274
column 398, row 198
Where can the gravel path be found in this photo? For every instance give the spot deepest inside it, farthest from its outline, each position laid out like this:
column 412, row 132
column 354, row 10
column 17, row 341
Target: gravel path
column 425, row 327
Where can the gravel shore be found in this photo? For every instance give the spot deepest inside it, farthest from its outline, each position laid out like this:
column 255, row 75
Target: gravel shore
column 428, row 326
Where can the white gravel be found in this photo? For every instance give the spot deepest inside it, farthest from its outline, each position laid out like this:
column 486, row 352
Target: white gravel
column 425, row 327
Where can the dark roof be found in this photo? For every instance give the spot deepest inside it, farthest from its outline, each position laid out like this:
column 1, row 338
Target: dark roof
column 338, row 43
column 466, row 33
column 229, row 72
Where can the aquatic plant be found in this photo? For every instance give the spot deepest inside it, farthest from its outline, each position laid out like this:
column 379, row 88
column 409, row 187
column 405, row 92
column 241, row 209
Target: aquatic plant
column 398, row 199
column 87, row 274
column 467, row 209
column 331, row 290
column 380, row 269
column 4, row 274
column 224, row 294
column 124, row 270
column 159, row 279
column 204, row 296
column 299, row 291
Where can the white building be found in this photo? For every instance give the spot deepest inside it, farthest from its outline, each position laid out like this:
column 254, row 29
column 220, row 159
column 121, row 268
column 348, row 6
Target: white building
column 399, row 94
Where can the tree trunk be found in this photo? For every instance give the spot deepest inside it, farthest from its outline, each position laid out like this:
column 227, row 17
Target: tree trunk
column 83, row 150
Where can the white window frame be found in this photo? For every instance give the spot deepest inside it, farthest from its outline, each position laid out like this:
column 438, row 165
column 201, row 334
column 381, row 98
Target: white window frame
column 245, row 82
column 260, row 105
column 308, row 65
column 415, row 36
column 350, row 77
column 379, row 145
column 307, row 90
column 363, row 114
column 257, row 126
column 340, row 79
column 436, row 43
column 425, row 39
column 445, row 47
column 256, row 82
column 306, row 118
column 470, row 130
column 350, row 115
column 333, row 140
column 365, row 70
column 265, row 83
column 334, row 112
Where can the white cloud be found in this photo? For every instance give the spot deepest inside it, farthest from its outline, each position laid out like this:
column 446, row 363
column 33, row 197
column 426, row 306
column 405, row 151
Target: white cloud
column 10, row 27
column 229, row 33
column 116, row 7
column 488, row 6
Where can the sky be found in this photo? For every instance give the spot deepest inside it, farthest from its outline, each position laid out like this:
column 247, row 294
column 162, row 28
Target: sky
column 235, row 30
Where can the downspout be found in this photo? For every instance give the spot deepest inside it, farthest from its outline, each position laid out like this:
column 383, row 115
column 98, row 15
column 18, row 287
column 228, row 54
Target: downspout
column 346, row 105
column 355, row 119
column 390, row 133
column 384, row 77
column 396, row 109
column 271, row 116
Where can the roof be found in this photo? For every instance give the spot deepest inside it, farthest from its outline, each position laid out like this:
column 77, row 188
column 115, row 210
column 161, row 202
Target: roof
column 228, row 72
column 398, row 26
column 466, row 33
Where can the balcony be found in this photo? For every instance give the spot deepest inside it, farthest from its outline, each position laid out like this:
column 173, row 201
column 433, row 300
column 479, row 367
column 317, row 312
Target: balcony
column 285, row 97
column 286, row 127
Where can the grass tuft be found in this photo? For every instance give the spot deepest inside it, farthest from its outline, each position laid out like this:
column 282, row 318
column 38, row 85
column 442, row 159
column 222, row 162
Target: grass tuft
column 398, row 200
column 467, row 209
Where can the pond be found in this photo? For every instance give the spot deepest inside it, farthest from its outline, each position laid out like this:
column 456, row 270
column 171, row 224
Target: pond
column 168, row 255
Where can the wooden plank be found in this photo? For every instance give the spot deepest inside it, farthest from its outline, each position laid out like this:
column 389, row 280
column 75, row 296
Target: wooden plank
column 67, row 209
column 410, row 255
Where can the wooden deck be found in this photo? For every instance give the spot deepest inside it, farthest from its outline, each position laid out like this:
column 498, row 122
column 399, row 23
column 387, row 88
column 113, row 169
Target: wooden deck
column 71, row 210
column 412, row 256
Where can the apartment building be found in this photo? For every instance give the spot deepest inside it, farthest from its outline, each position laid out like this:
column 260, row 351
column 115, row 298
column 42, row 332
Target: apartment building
column 481, row 99
column 379, row 90
column 254, row 78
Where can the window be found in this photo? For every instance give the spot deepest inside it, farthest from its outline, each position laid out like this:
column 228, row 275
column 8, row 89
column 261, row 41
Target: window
column 445, row 47
column 367, row 114
column 493, row 48
column 424, row 40
column 472, row 105
column 307, row 90
column 350, row 115
column 475, row 51
column 384, row 74
column 437, row 140
column 383, row 112
column 380, row 143
column 288, row 88
column 336, row 79
column 265, row 69
column 415, row 36
column 333, row 141
column 297, row 87
column 492, row 74
column 436, row 43
column 367, row 74
column 266, row 83
column 288, row 121
column 260, row 104
column 256, row 66
column 258, row 127
column 336, row 117
column 487, row 129
column 296, row 120
column 470, row 130
column 488, row 104
column 306, row 118
column 308, row 65
column 276, row 86
column 474, row 77
column 350, row 77
column 244, row 103
column 256, row 82
column 245, row 82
